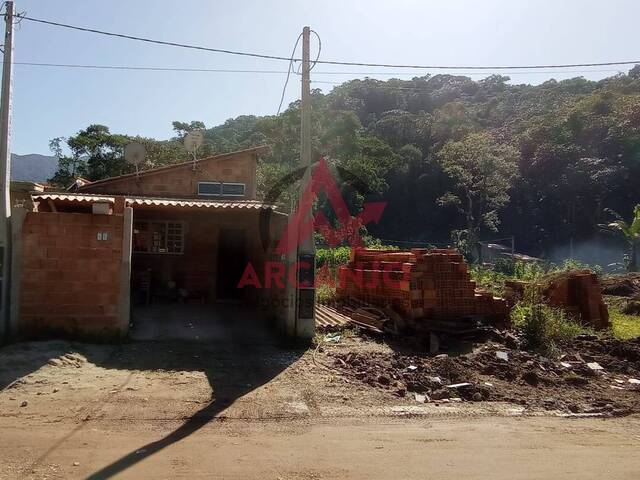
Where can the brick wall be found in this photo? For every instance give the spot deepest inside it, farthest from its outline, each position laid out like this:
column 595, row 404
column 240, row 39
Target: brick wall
column 70, row 280
column 182, row 182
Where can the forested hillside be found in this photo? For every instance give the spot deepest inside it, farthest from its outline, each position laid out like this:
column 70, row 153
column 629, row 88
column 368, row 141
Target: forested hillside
column 481, row 159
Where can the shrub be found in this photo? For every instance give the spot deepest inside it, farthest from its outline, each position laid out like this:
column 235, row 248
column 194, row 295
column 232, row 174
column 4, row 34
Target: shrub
column 488, row 279
column 543, row 327
column 332, row 257
column 325, row 294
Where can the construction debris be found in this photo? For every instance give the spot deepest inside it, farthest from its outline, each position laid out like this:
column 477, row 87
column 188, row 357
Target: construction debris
column 430, row 288
column 622, row 285
column 577, row 292
column 580, row 383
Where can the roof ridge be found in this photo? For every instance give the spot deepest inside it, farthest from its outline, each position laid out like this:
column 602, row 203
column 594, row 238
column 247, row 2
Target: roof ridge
column 257, row 148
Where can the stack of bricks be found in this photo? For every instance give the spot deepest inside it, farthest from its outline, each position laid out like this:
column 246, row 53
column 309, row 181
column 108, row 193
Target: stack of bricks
column 418, row 284
column 577, row 292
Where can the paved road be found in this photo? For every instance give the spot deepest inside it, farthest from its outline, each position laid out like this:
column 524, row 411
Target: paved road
column 347, row 448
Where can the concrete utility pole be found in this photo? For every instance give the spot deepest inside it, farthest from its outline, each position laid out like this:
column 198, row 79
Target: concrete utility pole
column 5, row 171
column 306, row 295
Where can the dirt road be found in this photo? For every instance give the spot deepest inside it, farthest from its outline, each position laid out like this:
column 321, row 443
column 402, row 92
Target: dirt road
column 346, row 448
column 171, row 410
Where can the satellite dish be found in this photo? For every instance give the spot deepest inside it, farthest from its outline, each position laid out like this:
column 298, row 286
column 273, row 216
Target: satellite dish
column 134, row 154
column 193, row 140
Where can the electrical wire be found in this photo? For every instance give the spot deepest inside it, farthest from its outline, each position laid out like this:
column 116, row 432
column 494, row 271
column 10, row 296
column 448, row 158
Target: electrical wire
column 534, row 72
column 284, row 89
column 286, row 82
column 160, row 69
column 223, row 70
column 328, row 62
column 150, row 40
column 319, row 50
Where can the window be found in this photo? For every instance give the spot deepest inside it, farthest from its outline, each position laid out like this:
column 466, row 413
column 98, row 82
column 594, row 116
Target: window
column 221, row 189
column 158, row 237
column 209, row 188
column 233, row 189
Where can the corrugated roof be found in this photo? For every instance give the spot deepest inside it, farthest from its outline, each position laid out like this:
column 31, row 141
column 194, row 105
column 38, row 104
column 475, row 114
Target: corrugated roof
column 152, row 171
column 159, row 202
column 216, row 204
column 73, row 197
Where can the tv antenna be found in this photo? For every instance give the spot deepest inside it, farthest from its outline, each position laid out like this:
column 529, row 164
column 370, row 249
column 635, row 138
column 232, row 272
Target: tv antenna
column 192, row 142
column 134, row 154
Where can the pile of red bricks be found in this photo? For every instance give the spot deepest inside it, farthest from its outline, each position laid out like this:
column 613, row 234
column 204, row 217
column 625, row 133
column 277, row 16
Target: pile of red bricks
column 577, row 292
column 418, row 284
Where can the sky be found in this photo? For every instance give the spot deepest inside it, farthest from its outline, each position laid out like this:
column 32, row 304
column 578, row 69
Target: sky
column 58, row 102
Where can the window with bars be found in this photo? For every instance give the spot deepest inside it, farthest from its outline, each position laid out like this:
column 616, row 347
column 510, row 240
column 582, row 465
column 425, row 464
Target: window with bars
column 162, row 237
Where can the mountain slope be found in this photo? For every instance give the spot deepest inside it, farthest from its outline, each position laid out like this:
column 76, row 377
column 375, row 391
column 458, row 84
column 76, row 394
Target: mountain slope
column 33, row 167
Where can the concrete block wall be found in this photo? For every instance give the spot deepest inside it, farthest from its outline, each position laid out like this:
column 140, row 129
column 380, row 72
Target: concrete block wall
column 182, row 182
column 70, row 279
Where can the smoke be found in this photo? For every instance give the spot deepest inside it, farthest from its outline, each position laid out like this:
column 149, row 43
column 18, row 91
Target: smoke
column 608, row 253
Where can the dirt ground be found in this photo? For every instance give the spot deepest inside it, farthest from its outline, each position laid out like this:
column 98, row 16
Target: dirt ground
column 194, row 410
column 593, row 376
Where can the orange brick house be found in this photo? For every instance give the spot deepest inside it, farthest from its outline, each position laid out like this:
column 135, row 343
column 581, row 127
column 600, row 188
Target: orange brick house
column 177, row 234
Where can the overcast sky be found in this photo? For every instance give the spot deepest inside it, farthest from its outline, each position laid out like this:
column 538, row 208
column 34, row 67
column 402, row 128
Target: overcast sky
column 52, row 102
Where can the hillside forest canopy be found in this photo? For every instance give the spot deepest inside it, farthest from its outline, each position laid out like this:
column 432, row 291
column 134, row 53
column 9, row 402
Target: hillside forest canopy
column 455, row 159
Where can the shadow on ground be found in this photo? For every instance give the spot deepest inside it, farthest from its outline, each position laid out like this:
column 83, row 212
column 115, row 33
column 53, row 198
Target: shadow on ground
column 232, row 371
column 233, row 367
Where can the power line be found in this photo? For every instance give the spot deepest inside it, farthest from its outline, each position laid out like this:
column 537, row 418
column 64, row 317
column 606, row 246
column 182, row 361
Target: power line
column 149, row 40
column 328, row 62
column 224, row 70
column 476, row 67
column 154, row 69
column 536, row 72
column 286, row 82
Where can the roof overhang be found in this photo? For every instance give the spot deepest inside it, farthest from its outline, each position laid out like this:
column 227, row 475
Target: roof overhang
column 156, row 203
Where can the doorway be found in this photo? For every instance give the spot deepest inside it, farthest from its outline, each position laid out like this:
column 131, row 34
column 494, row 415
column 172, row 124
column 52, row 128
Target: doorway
column 232, row 261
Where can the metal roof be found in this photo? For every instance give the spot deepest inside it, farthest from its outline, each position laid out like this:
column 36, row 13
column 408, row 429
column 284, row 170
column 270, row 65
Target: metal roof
column 159, row 202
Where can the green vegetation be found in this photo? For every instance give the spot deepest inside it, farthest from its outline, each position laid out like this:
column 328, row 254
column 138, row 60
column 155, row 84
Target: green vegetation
column 542, row 163
column 492, row 279
column 623, row 325
column 631, row 233
column 332, row 257
column 544, row 328
column 483, row 172
column 325, row 293
column 543, row 325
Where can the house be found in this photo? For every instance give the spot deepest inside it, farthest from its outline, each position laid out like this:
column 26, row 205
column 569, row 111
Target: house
column 85, row 262
column 21, row 191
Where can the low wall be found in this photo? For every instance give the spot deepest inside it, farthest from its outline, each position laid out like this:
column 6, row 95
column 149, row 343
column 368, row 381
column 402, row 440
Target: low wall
column 70, row 273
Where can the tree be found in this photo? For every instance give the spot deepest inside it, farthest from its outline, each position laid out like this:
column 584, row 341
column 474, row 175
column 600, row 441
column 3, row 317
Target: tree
column 482, row 171
column 631, row 233
column 95, row 153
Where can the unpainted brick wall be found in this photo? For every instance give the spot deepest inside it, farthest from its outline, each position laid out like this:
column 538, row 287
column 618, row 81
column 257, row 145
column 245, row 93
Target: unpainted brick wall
column 196, row 269
column 182, row 182
column 70, row 280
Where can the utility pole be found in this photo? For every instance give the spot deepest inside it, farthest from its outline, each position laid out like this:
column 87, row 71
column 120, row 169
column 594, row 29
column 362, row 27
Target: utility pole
column 305, row 302
column 5, row 171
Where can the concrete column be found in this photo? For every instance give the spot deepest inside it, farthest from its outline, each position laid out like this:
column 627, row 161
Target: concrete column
column 124, row 299
column 17, row 221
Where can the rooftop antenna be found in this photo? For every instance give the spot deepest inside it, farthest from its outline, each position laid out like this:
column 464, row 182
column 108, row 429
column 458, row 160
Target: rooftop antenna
column 134, row 154
column 192, row 141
